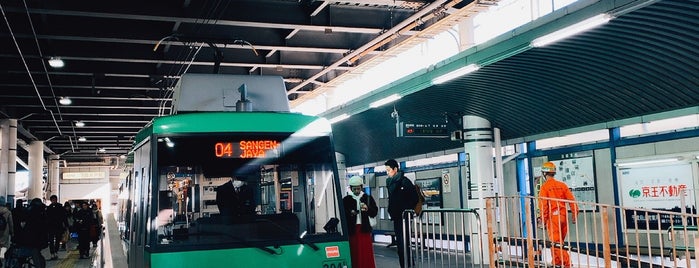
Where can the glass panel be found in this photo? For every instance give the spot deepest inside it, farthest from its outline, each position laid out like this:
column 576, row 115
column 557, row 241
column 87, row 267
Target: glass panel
column 245, row 190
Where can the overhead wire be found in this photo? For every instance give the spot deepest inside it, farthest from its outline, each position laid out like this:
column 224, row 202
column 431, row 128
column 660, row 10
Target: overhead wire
column 171, row 73
column 48, row 77
column 184, row 68
column 41, row 56
column 26, row 67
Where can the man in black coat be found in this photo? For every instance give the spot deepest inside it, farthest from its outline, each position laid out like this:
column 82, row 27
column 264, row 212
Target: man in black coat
column 84, row 219
column 32, row 232
column 57, row 225
column 401, row 196
column 235, row 201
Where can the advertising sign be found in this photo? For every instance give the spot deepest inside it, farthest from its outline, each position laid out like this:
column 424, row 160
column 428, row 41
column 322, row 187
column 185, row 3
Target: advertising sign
column 432, row 190
column 658, row 188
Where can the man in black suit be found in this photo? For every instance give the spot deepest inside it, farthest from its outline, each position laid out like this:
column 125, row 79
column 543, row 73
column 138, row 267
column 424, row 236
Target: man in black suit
column 235, row 200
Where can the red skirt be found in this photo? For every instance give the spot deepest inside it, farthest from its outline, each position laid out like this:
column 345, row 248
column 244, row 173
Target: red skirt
column 362, row 249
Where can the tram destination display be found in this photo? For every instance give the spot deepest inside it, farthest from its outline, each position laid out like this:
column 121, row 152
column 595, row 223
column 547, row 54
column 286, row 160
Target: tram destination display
column 247, row 149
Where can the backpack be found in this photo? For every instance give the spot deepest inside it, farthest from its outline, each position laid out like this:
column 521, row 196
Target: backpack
column 420, row 200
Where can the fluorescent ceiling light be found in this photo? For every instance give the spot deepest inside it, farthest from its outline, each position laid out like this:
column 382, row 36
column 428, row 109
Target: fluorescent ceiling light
column 79, row 124
column 385, row 100
column 56, row 62
column 571, row 30
column 65, row 101
column 82, row 139
column 457, row 73
column 646, row 162
column 338, row 118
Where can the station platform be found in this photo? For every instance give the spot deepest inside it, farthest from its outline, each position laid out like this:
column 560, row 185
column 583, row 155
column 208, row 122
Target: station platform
column 108, row 253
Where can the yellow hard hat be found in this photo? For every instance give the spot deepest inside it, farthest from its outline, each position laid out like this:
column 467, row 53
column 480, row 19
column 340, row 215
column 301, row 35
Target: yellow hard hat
column 548, row 167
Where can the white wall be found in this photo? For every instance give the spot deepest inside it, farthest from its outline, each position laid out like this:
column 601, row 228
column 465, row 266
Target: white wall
column 88, row 191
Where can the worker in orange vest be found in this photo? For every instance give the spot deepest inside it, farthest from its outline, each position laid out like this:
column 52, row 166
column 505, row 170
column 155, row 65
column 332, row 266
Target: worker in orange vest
column 554, row 213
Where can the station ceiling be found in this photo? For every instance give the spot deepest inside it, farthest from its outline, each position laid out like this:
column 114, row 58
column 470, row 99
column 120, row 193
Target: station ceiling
column 641, row 65
column 123, row 57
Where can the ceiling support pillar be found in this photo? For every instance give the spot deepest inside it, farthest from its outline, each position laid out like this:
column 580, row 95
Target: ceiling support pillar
column 36, row 170
column 8, row 159
column 478, row 147
column 54, row 176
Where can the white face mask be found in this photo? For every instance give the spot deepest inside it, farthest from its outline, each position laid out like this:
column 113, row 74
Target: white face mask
column 237, row 183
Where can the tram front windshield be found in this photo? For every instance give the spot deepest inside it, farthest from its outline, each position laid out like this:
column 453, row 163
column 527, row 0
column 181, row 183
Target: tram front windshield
column 244, row 190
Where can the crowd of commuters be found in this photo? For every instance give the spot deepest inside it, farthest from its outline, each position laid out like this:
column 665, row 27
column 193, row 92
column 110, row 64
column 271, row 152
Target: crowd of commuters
column 32, row 228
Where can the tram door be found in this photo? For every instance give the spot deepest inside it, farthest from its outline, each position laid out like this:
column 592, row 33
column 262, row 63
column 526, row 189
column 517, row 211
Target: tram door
column 140, row 191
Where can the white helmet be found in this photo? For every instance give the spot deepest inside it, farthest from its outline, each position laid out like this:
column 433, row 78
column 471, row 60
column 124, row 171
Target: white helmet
column 356, row 181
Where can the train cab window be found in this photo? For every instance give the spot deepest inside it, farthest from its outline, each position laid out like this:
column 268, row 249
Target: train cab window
column 241, row 190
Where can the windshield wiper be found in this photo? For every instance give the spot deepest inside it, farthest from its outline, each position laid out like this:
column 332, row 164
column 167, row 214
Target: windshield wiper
column 298, row 238
column 242, row 240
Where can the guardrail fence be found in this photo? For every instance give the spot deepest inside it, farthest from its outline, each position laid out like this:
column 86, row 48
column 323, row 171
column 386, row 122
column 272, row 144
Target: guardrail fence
column 444, row 238
column 603, row 236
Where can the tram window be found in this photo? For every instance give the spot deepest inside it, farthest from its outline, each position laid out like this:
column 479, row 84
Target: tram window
column 290, row 194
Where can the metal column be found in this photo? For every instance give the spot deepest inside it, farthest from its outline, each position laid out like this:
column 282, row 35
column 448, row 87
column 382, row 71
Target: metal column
column 8, row 159
column 36, row 170
column 478, row 146
column 54, row 171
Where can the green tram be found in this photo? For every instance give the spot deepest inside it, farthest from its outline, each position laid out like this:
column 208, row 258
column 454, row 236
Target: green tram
column 186, row 208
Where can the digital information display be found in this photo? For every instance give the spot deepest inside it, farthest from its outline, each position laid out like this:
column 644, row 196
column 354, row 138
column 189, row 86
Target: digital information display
column 424, row 130
column 247, row 149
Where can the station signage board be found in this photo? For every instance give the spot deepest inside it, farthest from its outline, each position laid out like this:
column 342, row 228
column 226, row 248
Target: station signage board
column 423, row 130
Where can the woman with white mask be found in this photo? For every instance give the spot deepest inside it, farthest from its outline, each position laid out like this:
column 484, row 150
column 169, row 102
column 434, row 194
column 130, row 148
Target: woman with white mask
column 359, row 208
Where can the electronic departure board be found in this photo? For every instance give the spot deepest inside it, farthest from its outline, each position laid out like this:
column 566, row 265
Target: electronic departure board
column 426, row 130
column 247, row 149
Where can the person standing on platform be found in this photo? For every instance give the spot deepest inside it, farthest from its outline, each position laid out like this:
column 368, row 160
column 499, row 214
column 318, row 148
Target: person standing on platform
column 6, row 228
column 401, row 196
column 96, row 229
column 57, row 225
column 19, row 213
column 32, row 233
column 83, row 220
column 68, row 210
column 358, row 208
column 554, row 213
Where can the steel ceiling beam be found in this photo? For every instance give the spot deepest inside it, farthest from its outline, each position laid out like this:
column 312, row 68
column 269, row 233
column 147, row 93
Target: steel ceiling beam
column 220, row 22
column 90, row 98
column 384, row 35
column 87, row 107
column 198, row 63
column 177, row 43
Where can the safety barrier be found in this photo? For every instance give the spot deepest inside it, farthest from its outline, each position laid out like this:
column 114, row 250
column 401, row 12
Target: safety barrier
column 604, row 235
column 444, row 238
